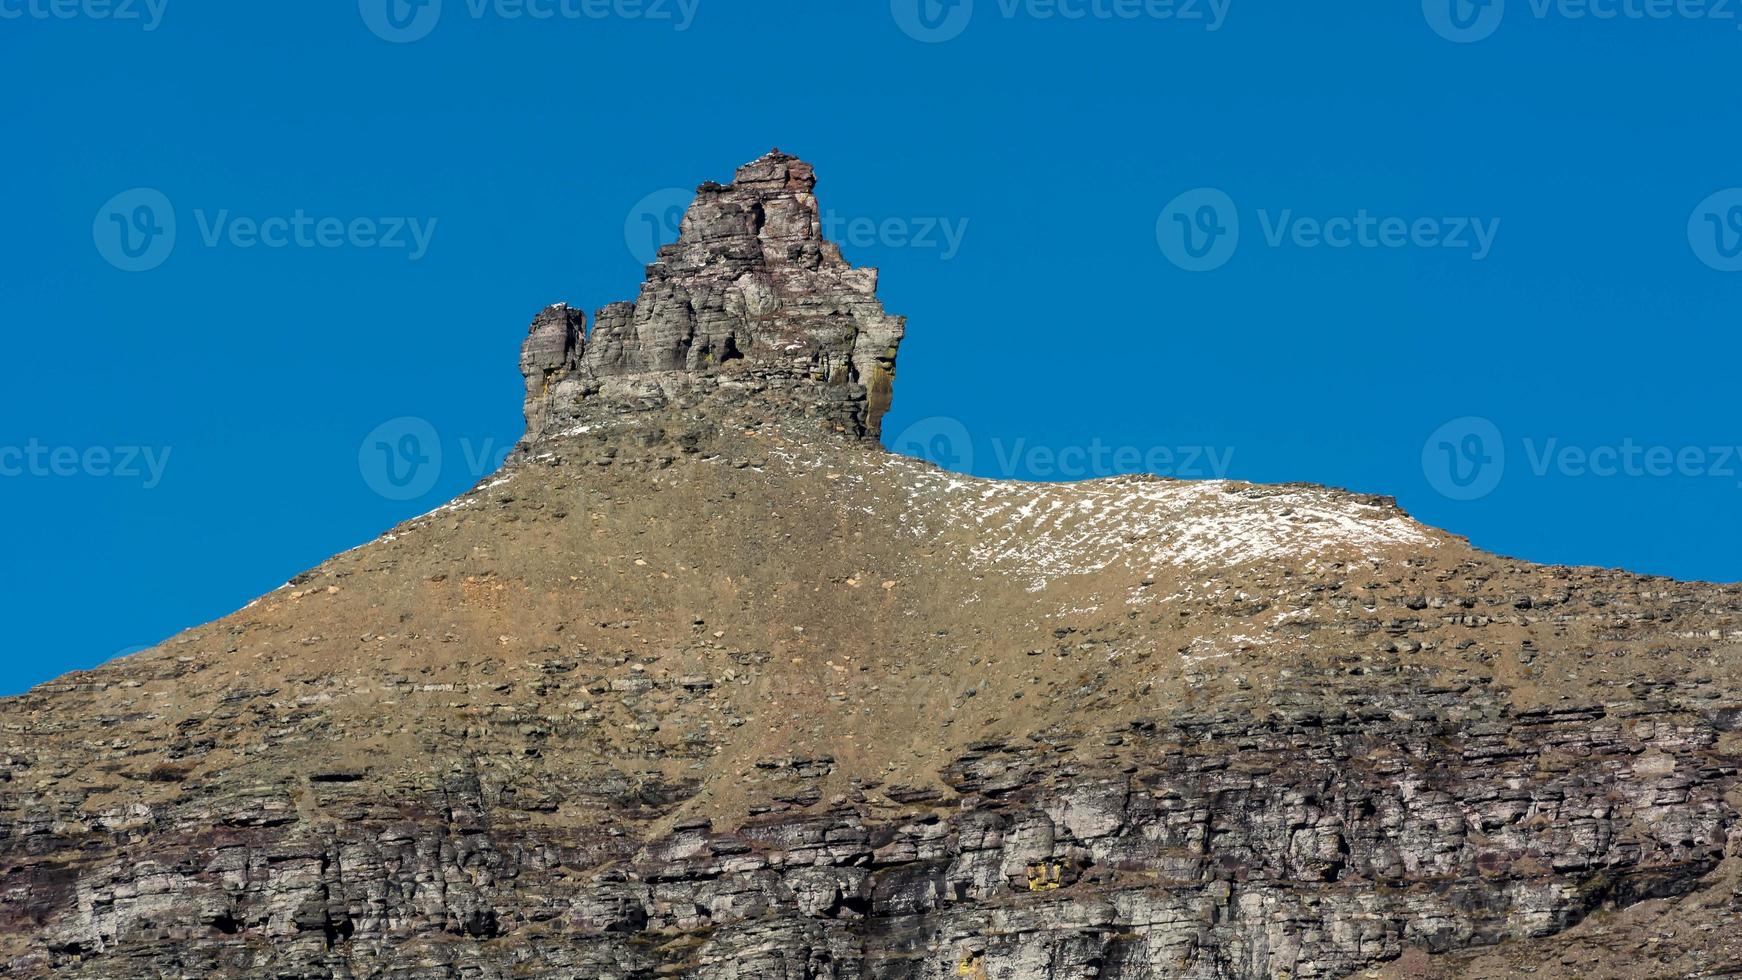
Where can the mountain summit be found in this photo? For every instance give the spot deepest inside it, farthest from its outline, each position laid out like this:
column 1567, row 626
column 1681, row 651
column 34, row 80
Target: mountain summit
column 704, row 683
column 751, row 302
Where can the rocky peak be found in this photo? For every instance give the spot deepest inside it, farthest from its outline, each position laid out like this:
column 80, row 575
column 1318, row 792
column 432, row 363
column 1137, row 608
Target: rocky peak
column 706, row 698
column 751, row 305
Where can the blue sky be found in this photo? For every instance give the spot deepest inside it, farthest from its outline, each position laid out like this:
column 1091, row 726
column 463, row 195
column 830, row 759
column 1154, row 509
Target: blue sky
column 1485, row 259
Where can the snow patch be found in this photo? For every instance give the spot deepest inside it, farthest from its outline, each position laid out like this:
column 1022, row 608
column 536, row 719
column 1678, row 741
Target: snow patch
column 1048, row 531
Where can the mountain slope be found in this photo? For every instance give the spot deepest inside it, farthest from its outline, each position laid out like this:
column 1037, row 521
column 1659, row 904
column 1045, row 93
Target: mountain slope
column 704, row 683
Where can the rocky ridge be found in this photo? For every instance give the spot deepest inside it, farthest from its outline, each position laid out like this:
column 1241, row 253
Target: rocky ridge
column 705, row 684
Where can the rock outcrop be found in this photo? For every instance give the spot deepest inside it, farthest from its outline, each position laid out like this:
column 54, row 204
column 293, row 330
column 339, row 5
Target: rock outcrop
column 1305, row 843
column 703, row 684
column 751, row 298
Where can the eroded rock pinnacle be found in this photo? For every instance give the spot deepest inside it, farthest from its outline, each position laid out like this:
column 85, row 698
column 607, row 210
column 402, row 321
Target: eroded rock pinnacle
column 750, row 303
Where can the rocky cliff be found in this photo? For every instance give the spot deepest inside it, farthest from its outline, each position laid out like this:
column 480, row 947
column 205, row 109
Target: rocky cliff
column 705, row 684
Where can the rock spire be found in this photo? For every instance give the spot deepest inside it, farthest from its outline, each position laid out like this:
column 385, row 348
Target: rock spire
column 750, row 306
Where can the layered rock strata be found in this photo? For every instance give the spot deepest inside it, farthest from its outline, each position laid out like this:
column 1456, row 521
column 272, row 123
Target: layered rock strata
column 705, row 684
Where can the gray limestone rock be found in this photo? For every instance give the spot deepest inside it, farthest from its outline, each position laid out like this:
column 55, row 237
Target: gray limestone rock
column 676, row 695
column 751, row 294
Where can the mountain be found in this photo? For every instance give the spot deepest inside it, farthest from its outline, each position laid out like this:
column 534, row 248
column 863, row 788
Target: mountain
column 705, row 683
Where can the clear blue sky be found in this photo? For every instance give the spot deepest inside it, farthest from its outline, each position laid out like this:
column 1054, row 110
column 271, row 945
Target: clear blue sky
column 1026, row 181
